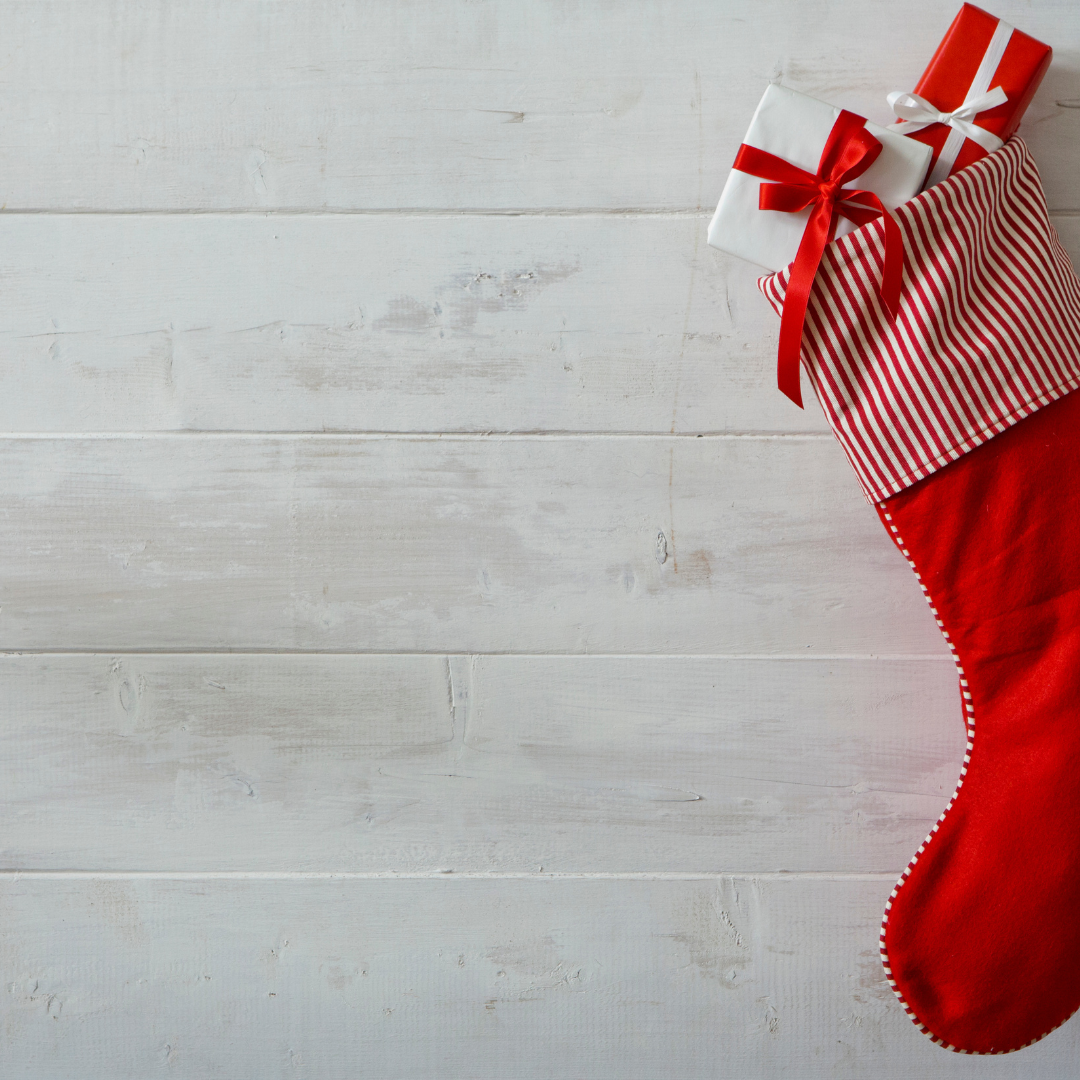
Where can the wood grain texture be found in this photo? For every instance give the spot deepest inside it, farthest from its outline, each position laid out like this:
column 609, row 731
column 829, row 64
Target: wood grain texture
column 402, row 323
column 438, row 220
column 427, row 763
column 120, row 978
column 642, row 545
column 387, row 323
column 614, row 104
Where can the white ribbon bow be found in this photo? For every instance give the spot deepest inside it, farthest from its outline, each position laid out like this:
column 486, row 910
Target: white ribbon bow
column 916, row 113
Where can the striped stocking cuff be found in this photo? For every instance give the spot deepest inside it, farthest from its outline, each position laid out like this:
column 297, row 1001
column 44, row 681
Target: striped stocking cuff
column 988, row 330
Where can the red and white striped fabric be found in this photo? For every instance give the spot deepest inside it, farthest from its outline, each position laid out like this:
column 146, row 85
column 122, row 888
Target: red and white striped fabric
column 988, row 330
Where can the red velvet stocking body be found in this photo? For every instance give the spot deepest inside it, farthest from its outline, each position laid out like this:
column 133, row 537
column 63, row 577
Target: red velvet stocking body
column 981, row 939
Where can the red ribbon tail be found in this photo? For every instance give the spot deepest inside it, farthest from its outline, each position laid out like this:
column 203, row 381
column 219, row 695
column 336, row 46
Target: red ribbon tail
column 788, row 369
column 892, row 273
column 864, row 206
column 796, row 298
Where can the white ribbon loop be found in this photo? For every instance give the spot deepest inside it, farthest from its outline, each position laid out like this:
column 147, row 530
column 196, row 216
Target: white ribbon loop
column 916, row 112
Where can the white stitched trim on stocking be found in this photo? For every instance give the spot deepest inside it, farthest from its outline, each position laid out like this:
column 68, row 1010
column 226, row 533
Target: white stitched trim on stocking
column 969, row 718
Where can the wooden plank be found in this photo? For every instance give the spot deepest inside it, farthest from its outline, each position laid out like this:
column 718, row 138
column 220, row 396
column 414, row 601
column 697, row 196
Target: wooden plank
column 421, row 323
column 740, row 978
column 545, row 544
column 443, row 104
column 118, row 323
column 426, row 763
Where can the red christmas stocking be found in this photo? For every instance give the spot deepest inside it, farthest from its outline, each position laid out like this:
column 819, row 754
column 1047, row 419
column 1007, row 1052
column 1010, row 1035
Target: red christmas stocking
column 961, row 426
column 981, row 938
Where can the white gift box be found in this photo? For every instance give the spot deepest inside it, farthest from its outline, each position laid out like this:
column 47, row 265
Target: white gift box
column 795, row 127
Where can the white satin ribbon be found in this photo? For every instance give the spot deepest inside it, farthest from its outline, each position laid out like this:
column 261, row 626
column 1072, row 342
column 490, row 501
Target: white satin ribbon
column 916, row 113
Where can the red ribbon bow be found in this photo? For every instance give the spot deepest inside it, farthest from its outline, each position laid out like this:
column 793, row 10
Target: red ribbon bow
column 849, row 151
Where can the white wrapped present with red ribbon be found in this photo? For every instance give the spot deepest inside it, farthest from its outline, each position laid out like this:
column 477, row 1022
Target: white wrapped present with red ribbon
column 808, row 153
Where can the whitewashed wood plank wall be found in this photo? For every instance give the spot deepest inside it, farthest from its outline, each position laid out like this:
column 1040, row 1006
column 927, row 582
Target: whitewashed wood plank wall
column 432, row 647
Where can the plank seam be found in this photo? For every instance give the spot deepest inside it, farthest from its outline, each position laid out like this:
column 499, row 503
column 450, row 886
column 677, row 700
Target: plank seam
column 885, row 877
column 388, row 211
column 375, row 211
column 9, row 653
column 410, row 436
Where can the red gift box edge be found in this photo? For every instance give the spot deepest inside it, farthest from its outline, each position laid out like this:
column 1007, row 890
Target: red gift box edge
column 1001, row 121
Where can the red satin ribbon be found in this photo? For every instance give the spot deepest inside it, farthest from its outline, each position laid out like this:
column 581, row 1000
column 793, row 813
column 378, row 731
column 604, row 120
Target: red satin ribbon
column 849, row 151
